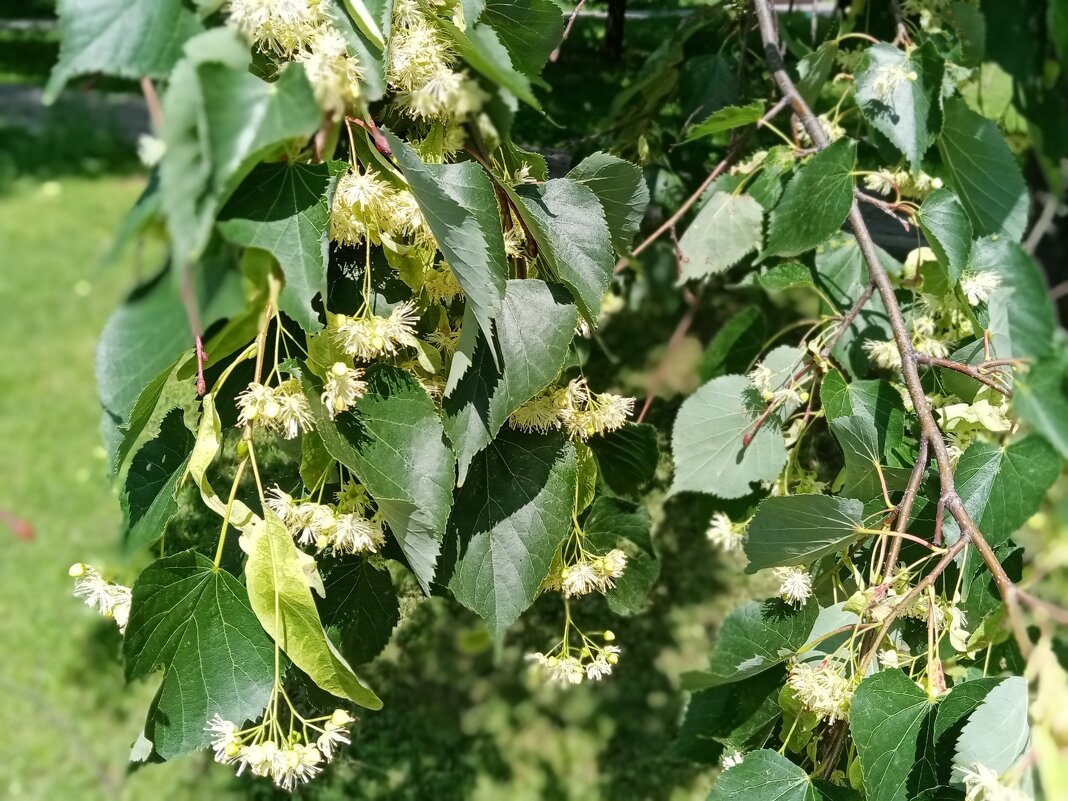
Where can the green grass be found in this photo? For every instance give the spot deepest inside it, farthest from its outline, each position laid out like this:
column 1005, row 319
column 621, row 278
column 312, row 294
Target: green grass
column 66, row 722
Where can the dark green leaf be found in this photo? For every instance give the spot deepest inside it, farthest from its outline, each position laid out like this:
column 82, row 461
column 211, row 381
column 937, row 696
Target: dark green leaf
column 950, row 718
column 362, row 603
column 480, row 46
column 281, row 208
column 195, row 622
column 533, row 332
column 948, row 231
column 815, row 203
column 126, row 38
column 726, row 229
column 799, row 529
column 755, row 637
column 621, row 188
column 708, row 442
column 529, row 29
column 148, row 496
column 736, row 345
column 459, row 205
column 574, row 241
column 900, row 95
column 618, row 524
column 865, row 471
column 814, row 69
column 886, row 716
column 394, row 442
column 627, row 457
column 511, row 515
column 726, row 119
column 764, row 776
column 983, row 172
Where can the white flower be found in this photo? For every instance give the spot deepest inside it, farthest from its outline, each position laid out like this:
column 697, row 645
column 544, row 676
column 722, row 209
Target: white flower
column 355, row 534
column 723, row 533
column 110, row 600
column 367, row 337
column 760, row 377
column 731, row 759
column 565, row 670
column 294, row 414
column 343, row 388
column 598, row 668
column 225, row 739
column 983, row 784
column 609, row 567
column 889, row 658
column 881, row 181
column 579, row 579
column 311, row 523
column 256, row 402
column 821, row 689
column 883, row 353
column 294, row 764
column 281, row 503
column 600, row 414
column 977, row 287
column 795, row 584
column 150, row 149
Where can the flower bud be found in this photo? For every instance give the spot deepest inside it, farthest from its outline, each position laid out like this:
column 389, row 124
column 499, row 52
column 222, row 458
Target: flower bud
column 76, row 570
column 609, row 635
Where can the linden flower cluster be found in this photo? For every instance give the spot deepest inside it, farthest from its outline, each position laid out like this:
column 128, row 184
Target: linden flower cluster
column 367, row 336
column 931, row 335
column 590, row 572
column 821, row 689
column 566, row 664
column 575, row 408
column 795, row 584
column 343, row 387
column 984, row 784
column 421, row 67
column 282, row 409
column 302, row 30
column 902, row 182
column 342, row 528
column 789, row 391
column 366, row 206
column 725, row 534
column 109, row 599
column 288, row 760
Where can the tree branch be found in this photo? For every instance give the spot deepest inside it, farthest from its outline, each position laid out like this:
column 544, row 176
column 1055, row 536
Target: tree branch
column 970, row 370
column 910, row 371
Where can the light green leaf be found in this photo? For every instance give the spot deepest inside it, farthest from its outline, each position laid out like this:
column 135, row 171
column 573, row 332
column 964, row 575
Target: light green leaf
column 276, row 575
column 148, row 496
column 205, row 449
column 755, row 637
column 707, row 441
column 219, row 120
column 948, row 231
column 997, row 732
column 1040, row 398
column 621, row 188
column 1003, row 486
column 885, row 716
column 459, row 205
column 125, row 38
column 511, row 515
column 726, row 119
column 281, row 208
column 724, row 231
column 574, row 241
column 394, row 443
column 983, row 172
column 799, row 529
column 951, row 716
column 362, row 603
column 899, row 93
column 534, row 330
column 815, row 203
column 195, row 622
column 788, row 275
column 814, row 69
column 762, row 776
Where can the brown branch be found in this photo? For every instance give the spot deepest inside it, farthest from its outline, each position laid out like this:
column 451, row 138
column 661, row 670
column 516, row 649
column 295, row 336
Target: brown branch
column 970, row 370
column 904, row 508
column 902, row 35
column 567, row 31
column 155, row 110
column 670, row 222
column 970, row 532
column 847, row 321
column 886, row 207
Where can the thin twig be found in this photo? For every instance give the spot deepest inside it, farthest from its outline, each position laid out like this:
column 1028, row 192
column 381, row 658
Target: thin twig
column 677, row 337
column 904, row 508
column 902, row 37
column 670, row 222
column 567, row 31
column 847, row 321
column 155, row 110
column 885, row 206
column 970, row 370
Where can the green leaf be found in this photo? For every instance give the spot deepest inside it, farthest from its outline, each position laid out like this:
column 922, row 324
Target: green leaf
column 1040, row 398
column 814, row 69
column 948, row 231
column 278, row 587
column 906, row 110
column 997, row 732
column 362, row 603
column 627, row 457
column 205, row 449
column 459, row 205
column 219, row 120
column 162, row 394
column 574, row 241
column 195, row 622
column 736, row 345
column 281, row 208
column 585, row 477
column 815, row 203
column 876, row 401
column 533, row 333
column 886, row 715
column 621, row 188
column 983, row 172
column 511, row 515
column 145, row 335
column 125, row 38
column 799, row 529
column 480, row 46
column 618, row 524
column 858, row 437
column 788, row 275
column 394, row 442
column 763, row 776
column 1003, row 486
column 707, row 441
column 726, row 119
column 755, row 637
column 148, row 496
column 951, row 717
column 726, row 229
column 1020, row 314
column 529, row 30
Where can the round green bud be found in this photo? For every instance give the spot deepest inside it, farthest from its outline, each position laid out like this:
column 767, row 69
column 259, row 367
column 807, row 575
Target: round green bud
column 612, row 659
column 609, row 635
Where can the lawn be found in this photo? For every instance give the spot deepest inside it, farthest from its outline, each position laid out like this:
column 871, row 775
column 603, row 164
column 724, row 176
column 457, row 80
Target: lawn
column 66, row 724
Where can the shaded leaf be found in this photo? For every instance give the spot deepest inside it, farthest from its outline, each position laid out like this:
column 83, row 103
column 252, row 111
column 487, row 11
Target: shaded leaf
column 1040, row 398
column 529, row 29
column 799, row 529
column 627, row 457
column 362, row 602
column 948, row 231
column 621, row 188
column 736, row 345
